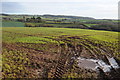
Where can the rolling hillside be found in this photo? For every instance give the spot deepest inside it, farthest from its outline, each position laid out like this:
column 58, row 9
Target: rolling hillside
column 52, row 52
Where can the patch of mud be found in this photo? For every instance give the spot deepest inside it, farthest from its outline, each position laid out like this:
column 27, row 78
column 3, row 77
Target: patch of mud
column 94, row 64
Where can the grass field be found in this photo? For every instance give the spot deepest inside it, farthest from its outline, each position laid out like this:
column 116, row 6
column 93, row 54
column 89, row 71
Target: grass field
column 42, row 32
column 39, row 50
column 89, row 25
column 12, row 23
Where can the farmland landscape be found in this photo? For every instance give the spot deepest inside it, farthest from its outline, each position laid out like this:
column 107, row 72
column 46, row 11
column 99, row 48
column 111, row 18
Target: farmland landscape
column 40, row 46
column 52, row 52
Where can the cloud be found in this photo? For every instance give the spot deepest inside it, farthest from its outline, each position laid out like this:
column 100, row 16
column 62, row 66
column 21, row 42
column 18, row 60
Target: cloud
column 113, row 1
column 89, row 8
column 12, row 7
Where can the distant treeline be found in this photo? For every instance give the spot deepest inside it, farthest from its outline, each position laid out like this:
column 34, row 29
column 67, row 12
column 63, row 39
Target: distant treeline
column 62, row 16
column 106, row 26
column 33, row 19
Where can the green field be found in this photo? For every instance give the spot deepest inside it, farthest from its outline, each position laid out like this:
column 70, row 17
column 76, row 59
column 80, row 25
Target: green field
column 12, row 23
column 42, row 32
column 30, row 49
column 89, row 25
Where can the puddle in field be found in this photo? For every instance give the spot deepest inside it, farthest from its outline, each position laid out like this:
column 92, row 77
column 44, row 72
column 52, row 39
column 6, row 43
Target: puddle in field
column 95, row 64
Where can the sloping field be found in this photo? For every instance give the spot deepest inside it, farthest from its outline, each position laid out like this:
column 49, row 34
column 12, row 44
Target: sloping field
column 41, row 32
column 46, row 52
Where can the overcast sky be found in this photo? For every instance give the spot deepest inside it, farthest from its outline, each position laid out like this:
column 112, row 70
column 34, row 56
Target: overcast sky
column 88, row 8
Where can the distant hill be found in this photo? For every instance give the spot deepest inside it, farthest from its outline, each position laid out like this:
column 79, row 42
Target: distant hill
column 48, row 16
column 63, row 16
column 60, row 21
column 3, row 14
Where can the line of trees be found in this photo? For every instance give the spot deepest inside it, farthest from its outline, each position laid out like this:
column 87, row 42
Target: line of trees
column 33, row 19
column 106, row 26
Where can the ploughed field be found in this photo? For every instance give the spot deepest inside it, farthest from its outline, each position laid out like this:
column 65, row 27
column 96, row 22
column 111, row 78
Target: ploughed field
column 41, row 52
